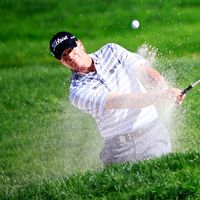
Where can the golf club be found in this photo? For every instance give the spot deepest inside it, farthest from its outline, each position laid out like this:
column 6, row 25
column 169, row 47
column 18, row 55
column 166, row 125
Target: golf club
column 190, row 87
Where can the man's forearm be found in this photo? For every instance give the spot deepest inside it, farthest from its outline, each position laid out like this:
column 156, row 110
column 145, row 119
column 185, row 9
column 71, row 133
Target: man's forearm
column 132, row 100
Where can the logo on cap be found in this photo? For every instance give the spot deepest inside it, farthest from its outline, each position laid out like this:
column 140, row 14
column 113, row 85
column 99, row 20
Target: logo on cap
column 60, row 40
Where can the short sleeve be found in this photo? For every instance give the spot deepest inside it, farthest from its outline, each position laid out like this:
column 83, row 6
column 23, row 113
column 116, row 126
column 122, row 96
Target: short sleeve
column 129, row 58
column 131, row 61
column 90, row 98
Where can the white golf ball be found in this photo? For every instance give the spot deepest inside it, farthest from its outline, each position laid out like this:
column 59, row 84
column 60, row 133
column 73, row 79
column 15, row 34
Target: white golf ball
column 135, row 24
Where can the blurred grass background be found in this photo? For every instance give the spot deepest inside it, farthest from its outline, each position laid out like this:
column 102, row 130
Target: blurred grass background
column 41, row 134
column 26, row 26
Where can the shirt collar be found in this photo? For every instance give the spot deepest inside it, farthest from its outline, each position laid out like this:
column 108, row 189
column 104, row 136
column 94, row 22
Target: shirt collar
column 95, row 58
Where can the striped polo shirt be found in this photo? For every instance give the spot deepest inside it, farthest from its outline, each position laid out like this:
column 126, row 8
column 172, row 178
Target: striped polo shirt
column 114, row 73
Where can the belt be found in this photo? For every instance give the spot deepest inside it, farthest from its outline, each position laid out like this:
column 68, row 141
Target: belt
column 133, row 135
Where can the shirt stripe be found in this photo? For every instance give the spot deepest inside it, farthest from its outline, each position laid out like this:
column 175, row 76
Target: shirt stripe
column 114, row 73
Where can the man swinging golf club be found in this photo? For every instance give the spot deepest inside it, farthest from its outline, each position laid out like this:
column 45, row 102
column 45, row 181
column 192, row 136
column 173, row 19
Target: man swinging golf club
column 110, row 85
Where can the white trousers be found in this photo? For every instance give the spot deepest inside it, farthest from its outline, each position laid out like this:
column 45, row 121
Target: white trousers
column 150, row 142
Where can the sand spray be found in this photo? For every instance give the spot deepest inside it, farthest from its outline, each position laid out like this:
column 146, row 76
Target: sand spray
column 170, row 114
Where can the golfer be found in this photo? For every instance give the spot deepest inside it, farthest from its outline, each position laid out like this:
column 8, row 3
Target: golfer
column 112, row 85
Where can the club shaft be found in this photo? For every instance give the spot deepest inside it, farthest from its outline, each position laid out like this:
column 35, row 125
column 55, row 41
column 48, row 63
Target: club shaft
column 196, row 83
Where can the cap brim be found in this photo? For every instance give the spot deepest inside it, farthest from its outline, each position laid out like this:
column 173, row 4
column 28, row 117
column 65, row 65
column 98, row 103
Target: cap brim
column 63, row 46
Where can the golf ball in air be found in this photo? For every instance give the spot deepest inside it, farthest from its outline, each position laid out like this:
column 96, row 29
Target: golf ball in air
column 135, row 24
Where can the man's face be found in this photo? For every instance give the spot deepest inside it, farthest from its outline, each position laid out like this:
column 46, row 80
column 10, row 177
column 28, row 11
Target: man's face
column 75, row 58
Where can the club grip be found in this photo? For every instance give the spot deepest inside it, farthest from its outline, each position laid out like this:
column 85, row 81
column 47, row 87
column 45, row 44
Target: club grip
column 186, row 89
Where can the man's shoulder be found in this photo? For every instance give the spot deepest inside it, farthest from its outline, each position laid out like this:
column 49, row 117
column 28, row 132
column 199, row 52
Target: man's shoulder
column 112, row 45
column 108, row 47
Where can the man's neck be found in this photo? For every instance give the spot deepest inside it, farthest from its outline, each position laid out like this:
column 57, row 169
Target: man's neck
column 89, row 69
column 92, row 68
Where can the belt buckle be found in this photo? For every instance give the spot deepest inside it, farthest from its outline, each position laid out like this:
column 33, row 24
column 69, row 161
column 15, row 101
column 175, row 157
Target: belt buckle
column 129, row 137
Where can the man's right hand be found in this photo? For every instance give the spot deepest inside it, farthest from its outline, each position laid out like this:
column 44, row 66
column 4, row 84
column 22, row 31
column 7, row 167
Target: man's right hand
column 174, row 95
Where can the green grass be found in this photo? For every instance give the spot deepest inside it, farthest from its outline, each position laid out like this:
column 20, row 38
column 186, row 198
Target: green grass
column 38, row 134
column 179, row 179
column 27, row 26
column 44, row 140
